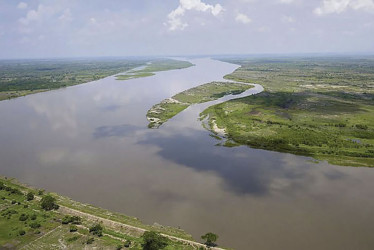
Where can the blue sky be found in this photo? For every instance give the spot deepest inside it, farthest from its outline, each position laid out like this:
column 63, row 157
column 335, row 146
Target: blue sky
column 75, row 28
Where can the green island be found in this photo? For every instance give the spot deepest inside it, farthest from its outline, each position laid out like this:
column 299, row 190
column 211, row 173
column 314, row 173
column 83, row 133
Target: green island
column 318, row 107
column 33, row 219
column 168, row 108
column 155, row 66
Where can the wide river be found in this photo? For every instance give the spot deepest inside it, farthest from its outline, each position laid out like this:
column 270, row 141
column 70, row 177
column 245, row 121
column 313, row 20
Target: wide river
column 91, row 142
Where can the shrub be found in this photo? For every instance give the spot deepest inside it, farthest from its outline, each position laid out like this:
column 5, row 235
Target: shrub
column 127, row 243
column 34, row 225
column 73, row 228
column 48, row 203
column 33, row 217
column 21, row 232
column 66, row 219
column 154, row 241
column 97, row 229
column 23, row 217
column 30, row 196
column 90, row 240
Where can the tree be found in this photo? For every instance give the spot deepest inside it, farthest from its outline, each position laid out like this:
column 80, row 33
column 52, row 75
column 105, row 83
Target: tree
column 97, row 230
column 154, row 241
column 30, row 196
column 48, row 203
column 210, row 239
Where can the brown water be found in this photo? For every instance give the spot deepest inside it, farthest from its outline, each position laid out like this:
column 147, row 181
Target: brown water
column 90, row 142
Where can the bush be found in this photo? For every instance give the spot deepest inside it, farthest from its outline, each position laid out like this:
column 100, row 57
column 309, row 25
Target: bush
column 76, row 220
column 40, row 192
column 210, row 239
column 73, row 228
column 97, row 230
column 23, row 217
column 90, row 240
column 34, row 225
column 48, row 203
column 127, row 243
column 33, row 217
column 30, row 196
column 66, row 219
column 21, row 232
column 154, row 241
column 14, row 202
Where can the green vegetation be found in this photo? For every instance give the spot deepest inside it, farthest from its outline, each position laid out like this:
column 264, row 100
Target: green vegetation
column 210, row 239
column 154, row 241
column 168, row 108
column 23, row 77
column 48, row 203
column 155, row 66
column 319, row 107
column 34, row 227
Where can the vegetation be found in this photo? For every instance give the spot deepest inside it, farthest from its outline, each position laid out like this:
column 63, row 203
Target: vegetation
column 48, row 203
column 155, row 66
column 154, row 241
column 319, row 107
column 19, row 78
column 210, row 239
column 34, row 227
column 168, row 108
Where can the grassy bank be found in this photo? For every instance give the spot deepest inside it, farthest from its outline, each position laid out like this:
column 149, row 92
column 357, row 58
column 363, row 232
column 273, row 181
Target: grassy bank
column 320, row 107
column 26, row 223
column 155, row 66
column 23, row 77
column 168, row 108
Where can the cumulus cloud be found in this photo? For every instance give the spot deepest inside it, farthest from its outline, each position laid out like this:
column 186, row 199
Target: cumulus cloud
column 38, row 14
column 242, row 18
column 174, row 18
column 22, row 5
column 339, row 6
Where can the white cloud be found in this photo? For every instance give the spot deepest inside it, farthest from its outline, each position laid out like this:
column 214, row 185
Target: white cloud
column 287, row 19
column 287, row 1
column 22, row 5
column 66, row 16
column 339, row 6
column 38, row 14
column 175, row 22
column 241, row 18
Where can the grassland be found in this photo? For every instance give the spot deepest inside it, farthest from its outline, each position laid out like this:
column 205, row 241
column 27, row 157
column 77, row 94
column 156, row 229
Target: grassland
column 25, row 225
column 155, row 66
column 319, row 107
column 23, row 77
column 170, row 107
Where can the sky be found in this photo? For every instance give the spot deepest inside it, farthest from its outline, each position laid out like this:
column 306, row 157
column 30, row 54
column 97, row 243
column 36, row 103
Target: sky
column 77, row 28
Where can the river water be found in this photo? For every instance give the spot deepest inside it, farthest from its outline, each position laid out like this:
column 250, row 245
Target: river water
column 91, row 142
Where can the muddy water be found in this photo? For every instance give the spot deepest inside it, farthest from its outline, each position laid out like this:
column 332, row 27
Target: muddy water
column 91, row 143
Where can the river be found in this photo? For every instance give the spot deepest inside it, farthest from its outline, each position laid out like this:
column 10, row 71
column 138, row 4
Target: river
column 91, row 142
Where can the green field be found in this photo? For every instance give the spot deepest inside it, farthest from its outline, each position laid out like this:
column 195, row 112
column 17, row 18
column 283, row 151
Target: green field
column 22, row 77
column 155, row 66
column 168, row 108
column 24, row 223
column 319, row 107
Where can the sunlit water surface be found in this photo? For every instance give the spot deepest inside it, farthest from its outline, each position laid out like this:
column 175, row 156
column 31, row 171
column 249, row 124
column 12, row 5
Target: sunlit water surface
column 91, row 143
